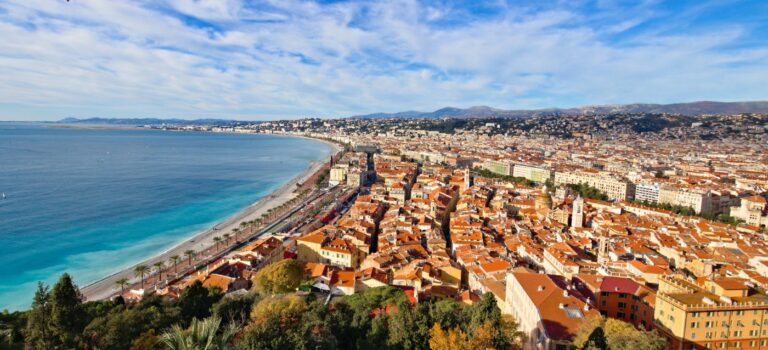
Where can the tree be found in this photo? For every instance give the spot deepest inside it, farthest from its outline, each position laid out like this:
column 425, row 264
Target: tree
column 67, row 315
column 201, row 335
column 140, row 271
column 159, row 268
column 38, row 334
column 122, row 283
column 288, row 309
column 175, row 261
column 279, row 277
column 613, row 334
column 217, row 240
column 235, row 309
column 453, row 339
column 124, row 325
column 190, row 254
column 196, row 301
column 226, row 237
column 147, row 341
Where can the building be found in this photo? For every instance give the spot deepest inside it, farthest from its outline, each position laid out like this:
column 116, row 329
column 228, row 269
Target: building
column 619, row 297
column 753, row 210
column 577, row 216
column 701, row 200
column 501, row 167
column 720, row 313
column 613, row 187
column 532, row 172
column 548, row 309
column 647, row 192
column 338, row 174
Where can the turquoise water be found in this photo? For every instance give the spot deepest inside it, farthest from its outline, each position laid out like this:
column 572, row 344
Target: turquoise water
column 91, row 202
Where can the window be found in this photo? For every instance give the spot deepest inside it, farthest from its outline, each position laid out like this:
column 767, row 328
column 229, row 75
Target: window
column 620, row 315
column 622, row 295
column 622, row 305
column 708, row 324
column 694, row 325
column 736, row 333
column 693, row 336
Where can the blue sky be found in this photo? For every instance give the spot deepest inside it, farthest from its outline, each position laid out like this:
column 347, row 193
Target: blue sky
column 292, row 59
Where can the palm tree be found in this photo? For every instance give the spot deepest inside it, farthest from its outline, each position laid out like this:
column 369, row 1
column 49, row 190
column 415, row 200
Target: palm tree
column 175, row 261
column 140, row 270
column 159, row 268
column 122, row 283
column 226, row 237
column 217, row 240
column 201, row 335
column 190, row 254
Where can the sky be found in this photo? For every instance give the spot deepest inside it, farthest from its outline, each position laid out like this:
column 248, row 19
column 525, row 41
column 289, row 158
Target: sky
column 257, row 60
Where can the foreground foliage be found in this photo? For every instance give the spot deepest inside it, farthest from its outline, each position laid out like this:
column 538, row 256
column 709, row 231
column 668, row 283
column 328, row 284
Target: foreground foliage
column 611, row 334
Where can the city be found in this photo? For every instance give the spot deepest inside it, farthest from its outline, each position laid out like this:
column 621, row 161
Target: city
column 667, row 234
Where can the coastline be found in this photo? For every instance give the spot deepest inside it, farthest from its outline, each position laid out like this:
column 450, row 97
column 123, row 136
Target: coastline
column 107, row 286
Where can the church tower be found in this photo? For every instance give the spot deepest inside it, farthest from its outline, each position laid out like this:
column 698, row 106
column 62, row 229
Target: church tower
column 602, row 250
column 467, row 180
column 577, row 217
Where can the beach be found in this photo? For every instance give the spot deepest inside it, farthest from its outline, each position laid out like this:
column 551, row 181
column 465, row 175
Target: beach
column 107, row 286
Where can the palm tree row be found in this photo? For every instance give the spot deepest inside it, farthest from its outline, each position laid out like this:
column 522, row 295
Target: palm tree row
column 251, row 226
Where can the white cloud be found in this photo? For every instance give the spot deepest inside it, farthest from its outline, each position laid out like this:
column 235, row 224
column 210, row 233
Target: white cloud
column 293, row 59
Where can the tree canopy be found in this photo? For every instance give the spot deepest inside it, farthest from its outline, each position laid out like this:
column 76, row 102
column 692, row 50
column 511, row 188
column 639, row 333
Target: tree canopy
column 280, row 277
column 613, row 334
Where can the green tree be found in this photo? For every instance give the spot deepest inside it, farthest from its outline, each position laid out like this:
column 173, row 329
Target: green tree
column 147, row 341
column 122, row 282
column 190, row 254
column 159, row 266
column 175, row 261
column 280, row 277
column 38, row 333
column 196, row 301
column 235, row 309
column 201, row 335
column 125, row 324
column 67, row 315
column 140, row 271
column 613, row 334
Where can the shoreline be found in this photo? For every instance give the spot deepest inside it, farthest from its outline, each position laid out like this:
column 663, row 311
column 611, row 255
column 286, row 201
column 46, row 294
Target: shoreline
column 106, row 286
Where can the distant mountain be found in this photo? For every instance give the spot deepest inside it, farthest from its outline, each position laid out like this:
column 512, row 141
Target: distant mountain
column 145, row 121
column 689, row 108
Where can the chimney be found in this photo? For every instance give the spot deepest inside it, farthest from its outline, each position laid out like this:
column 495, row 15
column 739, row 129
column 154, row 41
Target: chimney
column 565, row 293
column 540, row 289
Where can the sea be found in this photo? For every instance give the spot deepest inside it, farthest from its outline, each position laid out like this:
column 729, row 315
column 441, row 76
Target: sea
column 91, row 202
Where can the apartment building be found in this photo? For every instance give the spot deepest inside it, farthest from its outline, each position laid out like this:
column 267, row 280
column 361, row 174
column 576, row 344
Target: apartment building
column 547, row 307
column 720, row 313
column 501, row 167
column 701, row 200
column 532, row 172
column 614, row 187
column 647, row 192
column 619, row 297
column 753, row 210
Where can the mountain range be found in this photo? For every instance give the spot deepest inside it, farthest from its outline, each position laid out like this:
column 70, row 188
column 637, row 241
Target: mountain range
column 688, row 108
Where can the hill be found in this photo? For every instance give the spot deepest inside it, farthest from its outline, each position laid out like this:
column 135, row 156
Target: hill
column 688, row 108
